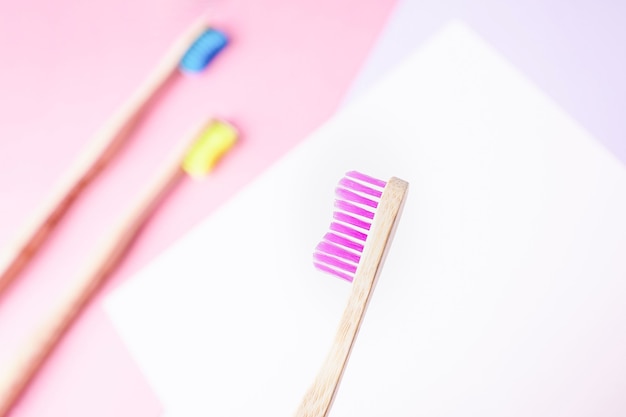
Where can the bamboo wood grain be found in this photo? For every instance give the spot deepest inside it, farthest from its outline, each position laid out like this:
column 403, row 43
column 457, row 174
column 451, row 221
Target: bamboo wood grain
column 318, row 400
column 15, row 381
column 103, row 148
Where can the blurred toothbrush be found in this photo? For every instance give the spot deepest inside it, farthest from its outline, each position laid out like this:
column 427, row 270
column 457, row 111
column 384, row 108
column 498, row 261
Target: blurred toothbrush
column 367, row 213
column 215, row 139
column 192, row 52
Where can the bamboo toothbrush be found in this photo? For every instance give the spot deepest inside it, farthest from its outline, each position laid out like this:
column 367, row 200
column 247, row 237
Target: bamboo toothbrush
column 367, row 213
column 191, row 53
column 216, row 138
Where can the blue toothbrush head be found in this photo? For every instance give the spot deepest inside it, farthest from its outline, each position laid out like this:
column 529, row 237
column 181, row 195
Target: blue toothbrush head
column 203, row 50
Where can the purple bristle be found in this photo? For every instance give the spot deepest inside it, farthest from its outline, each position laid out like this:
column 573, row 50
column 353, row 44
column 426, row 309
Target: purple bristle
column 354, row 209
column 345, row 242
column 340, row 251
column 366, row 178
column 334, row 250
column 355, row 198
column 334, row 262
column 353, row 185
column 329, row 270
column 346, row 218
column 348, row 231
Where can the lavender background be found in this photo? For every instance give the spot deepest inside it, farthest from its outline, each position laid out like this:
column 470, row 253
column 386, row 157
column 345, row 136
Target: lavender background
column 575, row 51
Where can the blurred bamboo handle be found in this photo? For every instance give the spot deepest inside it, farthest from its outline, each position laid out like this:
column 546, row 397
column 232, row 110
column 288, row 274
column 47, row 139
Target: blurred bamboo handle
column 104, row 147
column 14, row 382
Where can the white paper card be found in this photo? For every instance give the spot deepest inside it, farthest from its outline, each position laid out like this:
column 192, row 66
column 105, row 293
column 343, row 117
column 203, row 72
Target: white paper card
column 504, row 293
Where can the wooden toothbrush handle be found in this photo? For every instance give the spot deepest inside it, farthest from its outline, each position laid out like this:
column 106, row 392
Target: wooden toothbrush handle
column 104, row 147
column 33, row 355
column 318, row 400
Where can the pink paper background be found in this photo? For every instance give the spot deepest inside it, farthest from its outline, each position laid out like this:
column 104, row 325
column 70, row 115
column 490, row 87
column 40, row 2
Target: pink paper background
column 66, row 66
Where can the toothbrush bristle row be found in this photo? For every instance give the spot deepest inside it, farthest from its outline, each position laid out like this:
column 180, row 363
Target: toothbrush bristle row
column 339, row 252
column 203, row 50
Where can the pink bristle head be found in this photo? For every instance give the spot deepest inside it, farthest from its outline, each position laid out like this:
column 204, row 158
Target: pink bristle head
column 339, row 252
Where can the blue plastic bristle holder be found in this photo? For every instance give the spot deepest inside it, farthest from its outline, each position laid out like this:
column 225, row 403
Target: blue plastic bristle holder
column 203, row 50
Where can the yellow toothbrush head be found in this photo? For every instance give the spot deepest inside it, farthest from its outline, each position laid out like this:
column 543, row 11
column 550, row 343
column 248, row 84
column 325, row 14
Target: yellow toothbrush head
column 217, row 138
